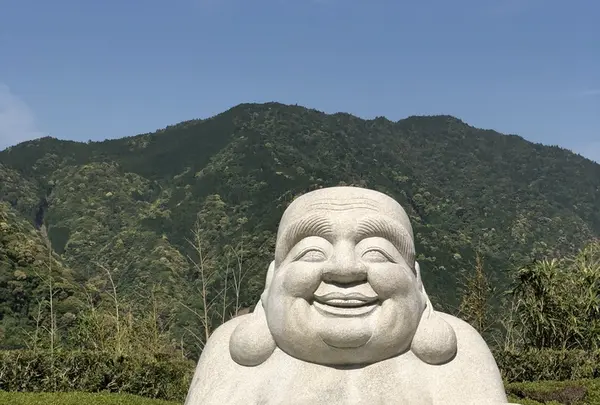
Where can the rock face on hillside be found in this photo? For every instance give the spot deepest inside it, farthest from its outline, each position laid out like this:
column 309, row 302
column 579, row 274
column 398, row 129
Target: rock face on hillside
column 130, row 205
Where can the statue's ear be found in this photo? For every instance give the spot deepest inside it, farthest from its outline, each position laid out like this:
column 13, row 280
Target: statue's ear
column 419, row 279
column 251, row 342
column 269, row 278
column 435, row 340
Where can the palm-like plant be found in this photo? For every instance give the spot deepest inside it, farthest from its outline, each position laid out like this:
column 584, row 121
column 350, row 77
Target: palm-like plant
column 557, row 301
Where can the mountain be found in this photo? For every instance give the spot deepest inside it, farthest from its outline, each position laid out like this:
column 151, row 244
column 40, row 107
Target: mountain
column 131, row 205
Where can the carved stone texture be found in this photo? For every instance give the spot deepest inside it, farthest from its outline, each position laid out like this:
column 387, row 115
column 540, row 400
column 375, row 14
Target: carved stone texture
column 345, row 319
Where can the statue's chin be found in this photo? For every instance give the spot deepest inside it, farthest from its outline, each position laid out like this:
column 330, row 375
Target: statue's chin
column 346, row 334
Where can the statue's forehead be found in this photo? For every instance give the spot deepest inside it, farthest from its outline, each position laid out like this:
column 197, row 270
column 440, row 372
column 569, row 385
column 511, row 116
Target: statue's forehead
column 343, row 200
column 369, row 210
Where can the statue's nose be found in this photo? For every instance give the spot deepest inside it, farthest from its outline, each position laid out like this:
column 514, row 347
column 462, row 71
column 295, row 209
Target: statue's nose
column 344, row 267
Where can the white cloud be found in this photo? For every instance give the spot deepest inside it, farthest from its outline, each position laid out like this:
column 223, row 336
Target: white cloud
column 17, row 121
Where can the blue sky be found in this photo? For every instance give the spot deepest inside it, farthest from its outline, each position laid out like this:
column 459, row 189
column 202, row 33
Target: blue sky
column 84, row 70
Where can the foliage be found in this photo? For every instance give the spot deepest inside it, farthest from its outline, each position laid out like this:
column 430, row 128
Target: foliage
column 21, row 194
column 547, row 364
column 581, row 392
column 27, row 269
column 77, row 398
column 116, row 325
column 94, row 371
column 477, row 293
column 558, row 302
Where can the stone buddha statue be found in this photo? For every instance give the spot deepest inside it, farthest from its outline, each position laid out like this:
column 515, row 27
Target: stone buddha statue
column 344, row 319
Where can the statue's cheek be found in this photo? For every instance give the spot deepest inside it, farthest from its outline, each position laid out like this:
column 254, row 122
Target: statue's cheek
column 299, row 279
column 391, row 280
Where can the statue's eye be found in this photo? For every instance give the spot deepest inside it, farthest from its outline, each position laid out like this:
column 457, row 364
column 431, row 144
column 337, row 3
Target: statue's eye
column 376, row 255
column 312, row 255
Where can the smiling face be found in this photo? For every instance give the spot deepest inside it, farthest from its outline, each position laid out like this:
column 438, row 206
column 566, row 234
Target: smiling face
column 344, row 289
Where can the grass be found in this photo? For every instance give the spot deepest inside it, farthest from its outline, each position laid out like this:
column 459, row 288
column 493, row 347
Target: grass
column 582, row 392
column 76, row 398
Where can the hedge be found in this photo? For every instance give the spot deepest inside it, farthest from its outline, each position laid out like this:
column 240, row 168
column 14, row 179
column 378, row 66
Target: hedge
column 168, row 377
column 548, row 364
column 158, row 377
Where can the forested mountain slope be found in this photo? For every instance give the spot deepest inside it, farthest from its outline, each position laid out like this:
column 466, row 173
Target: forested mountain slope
column 130, row 204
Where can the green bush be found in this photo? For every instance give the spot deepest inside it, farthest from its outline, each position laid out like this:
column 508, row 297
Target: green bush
column 76, row 398
column 548, row 364
column 88, row 371
column 584, row 392
column 556, row 302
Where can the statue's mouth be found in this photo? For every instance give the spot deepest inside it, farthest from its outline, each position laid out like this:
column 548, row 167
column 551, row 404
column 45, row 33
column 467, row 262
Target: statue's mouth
column 345, row 304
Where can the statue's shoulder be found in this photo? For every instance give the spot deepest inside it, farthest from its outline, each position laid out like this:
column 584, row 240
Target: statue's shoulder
column 219, row 339
column 473, row 369
column 215, row 369
column 462, row 329
column 469, row 340
column 215, row 354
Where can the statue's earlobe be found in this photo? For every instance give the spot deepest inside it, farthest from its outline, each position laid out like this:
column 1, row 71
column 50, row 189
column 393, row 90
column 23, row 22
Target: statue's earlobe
column 435, row 340
column 251, row 342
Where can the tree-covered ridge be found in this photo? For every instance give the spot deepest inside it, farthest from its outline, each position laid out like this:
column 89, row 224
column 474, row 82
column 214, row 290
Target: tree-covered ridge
column 21, row 193
column 131, row 205
column 29, row 273
column 97, row 217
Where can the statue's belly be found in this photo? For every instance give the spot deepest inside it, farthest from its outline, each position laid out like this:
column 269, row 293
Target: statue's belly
column 336, row 396
column 336, row 387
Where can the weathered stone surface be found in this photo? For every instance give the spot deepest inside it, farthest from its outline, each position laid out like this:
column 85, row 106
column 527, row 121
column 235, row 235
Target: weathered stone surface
column 345, row 319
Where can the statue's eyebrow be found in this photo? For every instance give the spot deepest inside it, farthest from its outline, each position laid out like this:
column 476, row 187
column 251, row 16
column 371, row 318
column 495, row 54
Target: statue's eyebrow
column 390, row 229
column 310, row 225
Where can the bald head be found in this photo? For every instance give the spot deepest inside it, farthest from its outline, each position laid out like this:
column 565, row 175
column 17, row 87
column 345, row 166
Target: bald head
column 357, row 210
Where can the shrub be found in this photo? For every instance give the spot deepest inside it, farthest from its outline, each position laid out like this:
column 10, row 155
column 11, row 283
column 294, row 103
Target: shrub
column 547, row 364
column 92, row 371
column 557, row 305
column 584, row 392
